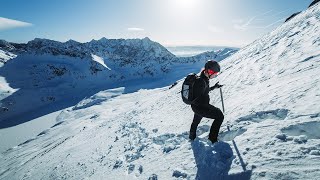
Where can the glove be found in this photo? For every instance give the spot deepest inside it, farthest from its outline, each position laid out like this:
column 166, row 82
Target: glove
column 216, row 86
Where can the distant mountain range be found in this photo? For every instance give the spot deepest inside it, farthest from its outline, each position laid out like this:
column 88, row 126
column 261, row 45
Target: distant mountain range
column 45, row 73
column 151, row 57
column 188, row 51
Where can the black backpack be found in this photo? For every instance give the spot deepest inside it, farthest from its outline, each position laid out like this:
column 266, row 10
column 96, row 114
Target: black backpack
column 187, row 88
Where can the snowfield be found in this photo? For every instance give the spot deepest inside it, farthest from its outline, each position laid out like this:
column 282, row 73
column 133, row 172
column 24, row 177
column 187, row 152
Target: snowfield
column 5, row 56
column 270, row 131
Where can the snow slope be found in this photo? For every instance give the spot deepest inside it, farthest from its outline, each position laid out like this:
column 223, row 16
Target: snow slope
column 271, row 97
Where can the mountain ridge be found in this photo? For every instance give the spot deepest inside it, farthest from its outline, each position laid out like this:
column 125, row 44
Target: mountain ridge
column 47, row 71
column 121, row 52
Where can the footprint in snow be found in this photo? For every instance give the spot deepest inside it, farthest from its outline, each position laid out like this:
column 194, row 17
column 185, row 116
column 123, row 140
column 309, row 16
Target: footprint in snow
column 178, row 174
column 170, row 142
column 230, row 135
column 301, row 133
column 153, row 177
column 130, row 168
column 307, row 129
column 278, row 114
column 137, row 141
column 203, row 130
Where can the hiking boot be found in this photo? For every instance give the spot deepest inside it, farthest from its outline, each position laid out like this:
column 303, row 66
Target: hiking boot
column 213, row 140
column 192, row 136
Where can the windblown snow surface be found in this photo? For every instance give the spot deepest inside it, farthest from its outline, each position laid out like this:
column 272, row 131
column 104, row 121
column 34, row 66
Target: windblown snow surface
column 5, row 56
column 271, row 96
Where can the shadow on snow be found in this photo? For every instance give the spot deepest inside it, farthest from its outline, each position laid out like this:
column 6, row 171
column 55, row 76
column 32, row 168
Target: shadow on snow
column 214, row 161
column 33, row 100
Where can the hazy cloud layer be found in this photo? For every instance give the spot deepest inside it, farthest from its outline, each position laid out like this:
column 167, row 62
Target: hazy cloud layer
column 251, row 23
column 215, row 29
column 10, row 24
column 135, row 29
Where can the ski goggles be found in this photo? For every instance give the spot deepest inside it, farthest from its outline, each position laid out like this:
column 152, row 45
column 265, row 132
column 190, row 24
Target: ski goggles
column 212, row 72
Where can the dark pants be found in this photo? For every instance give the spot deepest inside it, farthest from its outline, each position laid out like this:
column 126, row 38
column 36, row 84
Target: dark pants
column 207, row 111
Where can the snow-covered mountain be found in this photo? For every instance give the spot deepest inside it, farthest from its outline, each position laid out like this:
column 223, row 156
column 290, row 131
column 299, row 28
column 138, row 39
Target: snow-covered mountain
column 142, row 56
column 46, row 73
column 5, row 54
column 271, row 127
column 120, row 59
column 217, row 55
column 146, row 54
column 188, row 51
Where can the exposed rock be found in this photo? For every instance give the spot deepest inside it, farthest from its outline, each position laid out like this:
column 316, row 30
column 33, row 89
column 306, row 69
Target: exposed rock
column 313, row 3
column 293, row 15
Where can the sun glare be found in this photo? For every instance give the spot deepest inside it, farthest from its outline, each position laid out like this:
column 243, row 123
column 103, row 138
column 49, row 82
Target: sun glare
column 183, row 8
column 184, row 4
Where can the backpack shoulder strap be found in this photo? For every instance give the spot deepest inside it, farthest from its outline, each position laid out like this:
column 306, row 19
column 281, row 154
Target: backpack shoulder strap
column 203, row 82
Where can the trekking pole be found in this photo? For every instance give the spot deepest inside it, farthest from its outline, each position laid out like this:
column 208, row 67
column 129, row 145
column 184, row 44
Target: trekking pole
column 223, row 105
column 234, row 143
column 222, row 99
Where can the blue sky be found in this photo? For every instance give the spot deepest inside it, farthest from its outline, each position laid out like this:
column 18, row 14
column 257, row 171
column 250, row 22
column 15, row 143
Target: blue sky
column 169, row 22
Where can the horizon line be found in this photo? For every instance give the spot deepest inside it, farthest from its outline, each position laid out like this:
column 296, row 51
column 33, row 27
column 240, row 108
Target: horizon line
column 163, row 44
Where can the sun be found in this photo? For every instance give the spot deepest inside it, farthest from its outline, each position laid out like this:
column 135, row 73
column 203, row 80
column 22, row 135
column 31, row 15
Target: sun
column 181, row 12
column 184, row 4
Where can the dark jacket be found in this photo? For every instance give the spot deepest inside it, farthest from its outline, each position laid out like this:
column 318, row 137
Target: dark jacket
column 201, row 90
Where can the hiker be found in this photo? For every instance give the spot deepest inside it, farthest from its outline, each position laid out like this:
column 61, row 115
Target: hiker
column 201, row 106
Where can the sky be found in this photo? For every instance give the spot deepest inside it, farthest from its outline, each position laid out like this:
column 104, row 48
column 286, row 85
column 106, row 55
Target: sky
column 169, row 22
